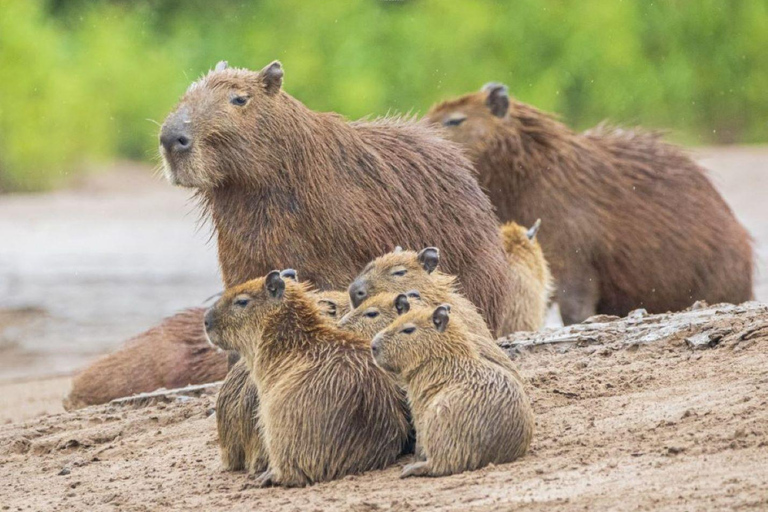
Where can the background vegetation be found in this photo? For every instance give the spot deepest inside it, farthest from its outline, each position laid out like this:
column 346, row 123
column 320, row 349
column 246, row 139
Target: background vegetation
column 85, row 81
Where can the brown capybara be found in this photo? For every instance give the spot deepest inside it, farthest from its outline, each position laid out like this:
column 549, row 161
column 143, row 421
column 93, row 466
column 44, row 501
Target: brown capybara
column 631, row 221
column 468, row 413
column 237, row 405
column 171, row 355
column 237, row 409
column 403, row 270
column 326, row 410
column 284, row 186
column 377, row 312
column 532, row 279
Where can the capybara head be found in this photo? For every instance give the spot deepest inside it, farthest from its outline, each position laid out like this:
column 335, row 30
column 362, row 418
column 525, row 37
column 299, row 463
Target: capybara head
column 377, row 312
column 223, row 118
column 475, row 118
column 394, row 272
column 520, row 243
column 418, row 335
column 234, row 321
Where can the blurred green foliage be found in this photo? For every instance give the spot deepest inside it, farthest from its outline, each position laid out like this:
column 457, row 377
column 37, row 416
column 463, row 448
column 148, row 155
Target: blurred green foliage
column 88, row 80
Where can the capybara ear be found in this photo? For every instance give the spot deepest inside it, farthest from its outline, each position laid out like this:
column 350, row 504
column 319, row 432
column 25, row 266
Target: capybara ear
column 413, row 294
column 531, row 233
column 440, row 317
column 221, row 65
column 398, row 249
column 333, row 308
column 289, row 273
column 429, row 258
column 272, row 76
column 401, row 304
column 274, row 284
column 498, row 98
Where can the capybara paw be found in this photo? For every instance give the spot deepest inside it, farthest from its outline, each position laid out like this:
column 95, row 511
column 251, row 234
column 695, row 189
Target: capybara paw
column 420, row 468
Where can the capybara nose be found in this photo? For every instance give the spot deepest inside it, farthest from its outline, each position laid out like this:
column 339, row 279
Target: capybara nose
column 357, row 293
column 175, row 135
column 175, row 141
column 208, row 319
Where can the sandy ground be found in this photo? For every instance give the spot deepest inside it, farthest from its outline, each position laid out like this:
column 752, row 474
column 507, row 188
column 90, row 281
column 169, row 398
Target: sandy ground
column 651, row 427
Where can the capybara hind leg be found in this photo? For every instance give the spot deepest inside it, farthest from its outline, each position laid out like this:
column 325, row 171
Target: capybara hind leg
column 421, row 468
column 577, row 296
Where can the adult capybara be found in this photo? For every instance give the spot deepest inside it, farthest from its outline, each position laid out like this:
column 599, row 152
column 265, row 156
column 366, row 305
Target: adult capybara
column 325, row 409
column 631, row 221
column 532, row 279
column 468, row 412
column 287, row 186
column 171, row 355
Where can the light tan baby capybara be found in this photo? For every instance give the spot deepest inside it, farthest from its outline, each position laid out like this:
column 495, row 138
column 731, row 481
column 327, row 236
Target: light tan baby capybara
column 533, row 281
column 630, row 220
column 237, row 405
column 171, row 355
column 377, row 312
column 326, row 410
column 402, row 270
column 266, row 168
column 468, row 413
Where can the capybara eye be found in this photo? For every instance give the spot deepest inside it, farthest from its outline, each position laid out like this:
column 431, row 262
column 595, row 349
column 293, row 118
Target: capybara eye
column 241, row 302
column 239, row 101
column 399, row 273
column 372, row 313
column 454, row 121
column 408, row 330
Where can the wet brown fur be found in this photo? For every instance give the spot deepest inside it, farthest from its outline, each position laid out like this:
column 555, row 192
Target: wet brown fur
column 468, row 412
column 287, row 186
column 171, row 355
column 631, row 221
column 532, row 279
column 352, row 415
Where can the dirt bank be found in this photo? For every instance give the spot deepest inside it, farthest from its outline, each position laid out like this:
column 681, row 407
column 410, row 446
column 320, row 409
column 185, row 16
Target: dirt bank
column 629, row 416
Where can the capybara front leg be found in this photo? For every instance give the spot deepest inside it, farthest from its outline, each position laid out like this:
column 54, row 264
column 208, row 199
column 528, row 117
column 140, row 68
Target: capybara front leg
column 421, row 468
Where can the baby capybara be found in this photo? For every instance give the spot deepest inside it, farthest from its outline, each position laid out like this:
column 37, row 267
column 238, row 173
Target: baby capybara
column 468, row 413
column 631, row 221
column 532, row 279
column 326, row 410
column 378, row 311
column 237, row 405
column 171, row 355
column 403, row 270
column 237, row 422
column 285, row 185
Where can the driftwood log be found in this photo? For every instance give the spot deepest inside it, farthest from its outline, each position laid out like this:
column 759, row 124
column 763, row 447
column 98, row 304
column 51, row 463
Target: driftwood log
column 701, row 326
